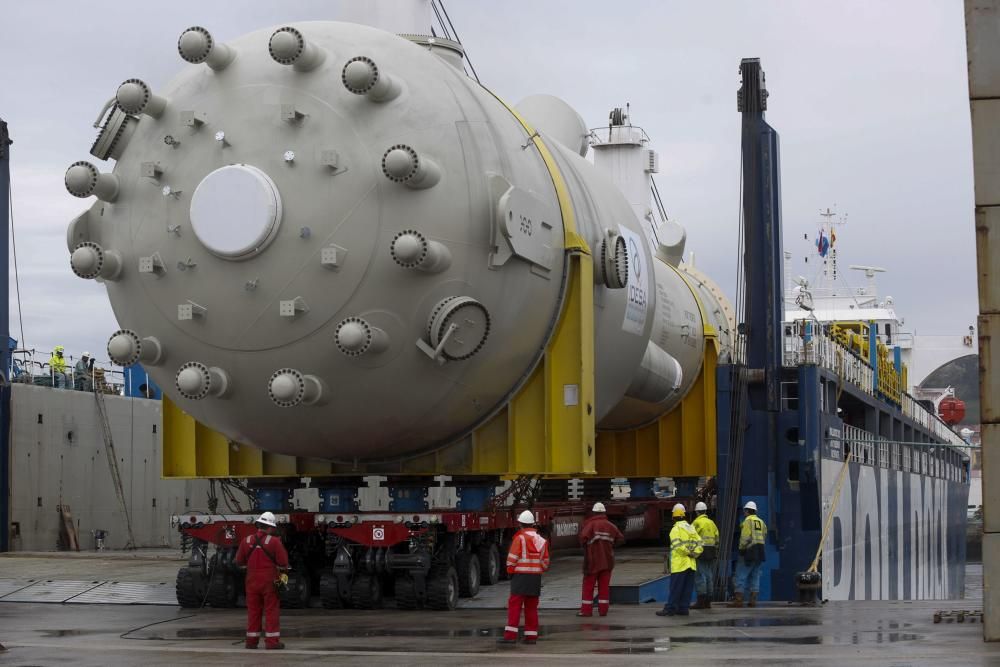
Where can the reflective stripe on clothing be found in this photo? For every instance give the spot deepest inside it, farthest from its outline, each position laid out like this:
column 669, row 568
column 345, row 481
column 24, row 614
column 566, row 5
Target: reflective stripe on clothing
column 529, row 553
column 509, row 628
column 753, row 531
column 531, row 633
column 253, row 634
column 685, row 546
column 707, row 530
column 272, row 634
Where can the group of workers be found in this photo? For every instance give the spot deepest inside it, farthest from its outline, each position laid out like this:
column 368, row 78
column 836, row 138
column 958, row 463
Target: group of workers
column 693, row 552
column 83, row 371
column 694, row 549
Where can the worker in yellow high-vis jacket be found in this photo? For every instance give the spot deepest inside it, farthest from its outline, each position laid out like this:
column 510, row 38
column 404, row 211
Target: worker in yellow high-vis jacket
column 753, row 534
column 685, row 547
column 709, row 534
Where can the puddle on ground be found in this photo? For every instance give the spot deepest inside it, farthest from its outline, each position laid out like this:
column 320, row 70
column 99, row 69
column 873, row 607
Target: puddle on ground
column 66, row 633
column 753, row 622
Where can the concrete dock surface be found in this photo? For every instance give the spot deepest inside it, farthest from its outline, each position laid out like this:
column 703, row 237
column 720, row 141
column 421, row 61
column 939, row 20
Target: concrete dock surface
column 837, row 633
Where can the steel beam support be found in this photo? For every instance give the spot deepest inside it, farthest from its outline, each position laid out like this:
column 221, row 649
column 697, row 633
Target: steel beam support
column 982, row 25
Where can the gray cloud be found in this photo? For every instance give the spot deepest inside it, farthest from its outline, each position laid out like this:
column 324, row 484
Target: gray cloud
column 870, row 100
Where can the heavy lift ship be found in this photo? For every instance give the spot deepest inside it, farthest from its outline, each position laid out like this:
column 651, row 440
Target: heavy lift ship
column 341, row 256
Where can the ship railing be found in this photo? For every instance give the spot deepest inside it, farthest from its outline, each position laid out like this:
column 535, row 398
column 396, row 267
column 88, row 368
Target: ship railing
column 31, row 366
column 819, row 349
column 921, row 458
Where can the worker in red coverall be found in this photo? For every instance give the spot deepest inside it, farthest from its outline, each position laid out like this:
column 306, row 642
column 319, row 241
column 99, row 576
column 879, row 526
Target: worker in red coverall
column 598, row 539
column 266, row 561
column 528, row 558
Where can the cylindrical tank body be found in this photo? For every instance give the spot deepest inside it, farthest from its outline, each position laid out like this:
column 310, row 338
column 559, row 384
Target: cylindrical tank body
column 335, row 273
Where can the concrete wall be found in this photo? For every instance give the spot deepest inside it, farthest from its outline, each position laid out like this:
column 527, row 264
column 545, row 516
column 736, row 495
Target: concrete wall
column 58, row 457
column 982, row 26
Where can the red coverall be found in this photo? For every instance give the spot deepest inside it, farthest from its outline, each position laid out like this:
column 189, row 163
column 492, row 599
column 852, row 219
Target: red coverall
column 261, row 593
column 528, row 558
column 598, row 539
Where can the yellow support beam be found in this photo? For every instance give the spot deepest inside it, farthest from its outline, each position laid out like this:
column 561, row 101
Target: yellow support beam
column 681, row 443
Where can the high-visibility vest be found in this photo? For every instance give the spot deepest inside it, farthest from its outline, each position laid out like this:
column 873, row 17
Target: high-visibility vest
column 529, row 553
column 752, row 532
column 707, row 530
column 685, row 546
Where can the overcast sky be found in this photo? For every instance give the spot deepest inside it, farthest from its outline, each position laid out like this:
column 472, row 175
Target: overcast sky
column 870, row 99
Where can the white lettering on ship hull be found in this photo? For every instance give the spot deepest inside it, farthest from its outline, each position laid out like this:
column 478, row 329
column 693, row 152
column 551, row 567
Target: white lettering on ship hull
column 894, row 535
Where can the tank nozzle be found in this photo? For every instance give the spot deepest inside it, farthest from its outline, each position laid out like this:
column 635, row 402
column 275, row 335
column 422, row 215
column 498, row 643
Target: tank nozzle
column 196, row 45
column 83, row 179
column 413, row 250
column 356, row 336
column 126, row 348
column 289, row 47
column 196, row 381
column 134, row 97
column 362, row 76
column 89, row 260
column 402, row 164
column 289, row 387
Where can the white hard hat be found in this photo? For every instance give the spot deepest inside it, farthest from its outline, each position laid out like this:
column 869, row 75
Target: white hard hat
column 751, row 505
column 267, row 518
column 701, row 507
column 679, row 510
column 598, row 507
column 526, row 517
column 86, row 354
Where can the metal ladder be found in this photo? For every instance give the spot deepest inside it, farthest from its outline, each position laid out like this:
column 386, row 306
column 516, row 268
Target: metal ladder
column 116, row 477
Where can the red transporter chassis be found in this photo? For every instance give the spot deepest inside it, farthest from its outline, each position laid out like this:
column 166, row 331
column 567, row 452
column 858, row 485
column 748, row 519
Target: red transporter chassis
column 427, row 558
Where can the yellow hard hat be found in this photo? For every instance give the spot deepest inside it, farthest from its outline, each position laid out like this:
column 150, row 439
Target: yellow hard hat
column 679, row 510
column 59, row 348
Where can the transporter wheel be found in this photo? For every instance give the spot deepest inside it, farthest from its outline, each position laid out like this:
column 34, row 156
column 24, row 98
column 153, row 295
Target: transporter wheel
column 366, row 592
column 222, row 590
column 296, row 593
column 503, row 549
column 190, row 587
column 489, row 565
column 406, row 592
column 329, row 594
column 442, row 590
column 467, row 568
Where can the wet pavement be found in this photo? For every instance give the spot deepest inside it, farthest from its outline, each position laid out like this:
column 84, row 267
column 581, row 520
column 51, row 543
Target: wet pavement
column 838, row 633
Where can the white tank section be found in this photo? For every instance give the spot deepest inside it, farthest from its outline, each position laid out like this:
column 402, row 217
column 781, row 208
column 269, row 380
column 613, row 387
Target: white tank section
column 325, row 240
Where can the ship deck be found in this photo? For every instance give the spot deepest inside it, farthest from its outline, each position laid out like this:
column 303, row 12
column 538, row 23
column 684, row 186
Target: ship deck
column 837, row 633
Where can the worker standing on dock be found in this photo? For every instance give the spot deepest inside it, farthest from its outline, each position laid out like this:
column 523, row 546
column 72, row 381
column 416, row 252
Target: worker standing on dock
column 598, row 539
column 266, row 561
column 527, row 560
column 685, row 547
column 709, row 534
column 748, row 567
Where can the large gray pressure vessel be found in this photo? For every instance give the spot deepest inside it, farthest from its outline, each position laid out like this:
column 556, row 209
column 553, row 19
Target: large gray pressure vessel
column 326, row 240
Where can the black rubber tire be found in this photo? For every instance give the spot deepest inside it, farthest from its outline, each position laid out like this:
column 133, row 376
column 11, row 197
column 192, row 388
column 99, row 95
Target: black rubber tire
column 222, row 590
column 190, row 587
column 489, row 565
column 501, row 553
column 467, row 568
column 366, row 592
column 296, row 593
column 406, row 592
column 329, row 594
column 442, row 590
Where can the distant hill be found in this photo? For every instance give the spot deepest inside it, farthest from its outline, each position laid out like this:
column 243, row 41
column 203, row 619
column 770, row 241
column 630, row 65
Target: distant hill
column 963, row 375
